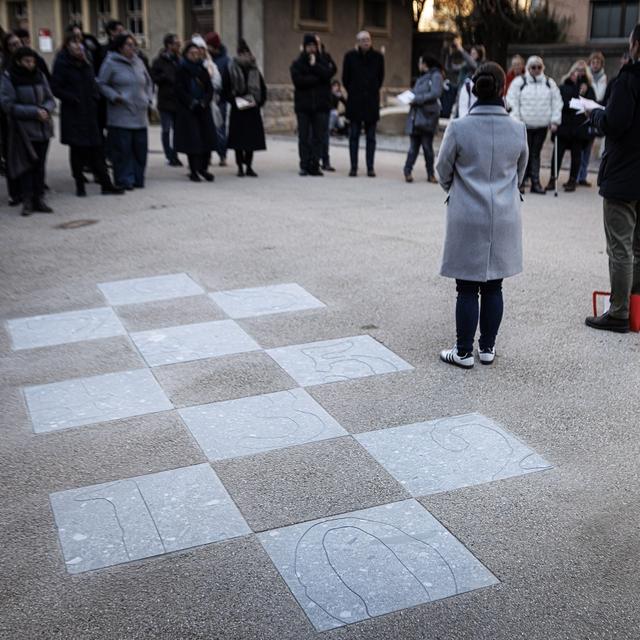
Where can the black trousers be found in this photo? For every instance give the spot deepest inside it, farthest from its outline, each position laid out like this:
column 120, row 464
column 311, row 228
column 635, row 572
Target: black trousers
column 535, row 138
column 199, row 162
column 311, row 138
column 32, row 181
column 92, row 157
column 468, row 311
column 354, row 142
column 575, row 147
column 244, row 157
column 424, row 140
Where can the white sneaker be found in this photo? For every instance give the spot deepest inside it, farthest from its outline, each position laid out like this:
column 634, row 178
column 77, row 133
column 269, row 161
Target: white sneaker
column 450, row 356
column 487, row 356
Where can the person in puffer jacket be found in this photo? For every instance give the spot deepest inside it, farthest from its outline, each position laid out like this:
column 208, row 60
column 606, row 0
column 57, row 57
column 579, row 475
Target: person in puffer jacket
column 535, row 99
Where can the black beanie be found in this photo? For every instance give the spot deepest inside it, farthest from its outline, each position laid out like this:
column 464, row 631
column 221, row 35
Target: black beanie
column 309, row 38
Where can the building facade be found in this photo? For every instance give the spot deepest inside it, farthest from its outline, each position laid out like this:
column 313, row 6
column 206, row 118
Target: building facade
column 273, row 29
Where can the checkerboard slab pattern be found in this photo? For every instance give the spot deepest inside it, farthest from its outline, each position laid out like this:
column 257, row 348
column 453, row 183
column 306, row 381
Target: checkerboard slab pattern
column 337, row 360
column 135, row 290
column 259, row 301
column 255, row 424
column 193, row 342
column 74, row 403
column 363, row 564
column 63, row 328
column 140, row 517
column 447, row 454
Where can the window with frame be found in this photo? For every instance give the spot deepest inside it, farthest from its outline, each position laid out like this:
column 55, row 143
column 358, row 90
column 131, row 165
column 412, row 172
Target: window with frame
column 375, row 15
column 134, row 19
column 103, row 15
column 202, row 20
column 74, row 12
column 613, row 19
column 313, row 14
column 18, row 15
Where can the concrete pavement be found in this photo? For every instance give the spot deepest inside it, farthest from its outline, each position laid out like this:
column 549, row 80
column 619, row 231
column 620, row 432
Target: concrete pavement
column 561, row 542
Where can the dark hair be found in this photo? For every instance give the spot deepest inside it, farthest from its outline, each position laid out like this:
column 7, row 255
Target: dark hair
column 21, row 33
column 635, row 34
column 24, row 52
column 430, row 61
column 5, row 41
column 187, row 47
column 120, row 39
column 489, row 81
column 243, row 47
column 69, row 37
column 70, row 27
column 170, row 38
column 112, row 25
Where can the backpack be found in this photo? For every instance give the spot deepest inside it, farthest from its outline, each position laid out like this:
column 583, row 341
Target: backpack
column 524, row 83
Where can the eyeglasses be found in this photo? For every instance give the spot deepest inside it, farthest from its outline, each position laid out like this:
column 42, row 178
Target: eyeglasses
column 535, row 67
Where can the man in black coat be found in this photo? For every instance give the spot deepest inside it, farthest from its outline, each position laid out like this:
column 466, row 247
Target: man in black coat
column 311, row 74
column 163, row 73
column 362, row 76
column 620, row 188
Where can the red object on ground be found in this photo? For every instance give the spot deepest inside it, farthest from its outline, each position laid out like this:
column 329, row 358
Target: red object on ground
column 596, row 295
column 634, row 313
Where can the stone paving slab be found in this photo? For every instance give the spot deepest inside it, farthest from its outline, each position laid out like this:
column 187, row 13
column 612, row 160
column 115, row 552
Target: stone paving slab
column 193, row 342
column 136, row 290
column 145, row 516
column 62, row 328
column 337, row 360
column 367, row 563
column 259, row 301
column 447, row 454
column 259, row 423
column 83, row 401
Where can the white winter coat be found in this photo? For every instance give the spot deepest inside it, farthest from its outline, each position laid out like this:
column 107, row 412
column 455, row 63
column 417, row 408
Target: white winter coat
column 535, row 101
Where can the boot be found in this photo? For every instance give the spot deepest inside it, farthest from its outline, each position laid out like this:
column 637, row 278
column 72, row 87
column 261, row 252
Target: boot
column 536, row 187
column 240, row 173
column 250, row 172
column 81, row 190
column 606, row 323
column 110, row 189
column 551, row 186
column 27, row 209
column 40, row 206
column 570, row 185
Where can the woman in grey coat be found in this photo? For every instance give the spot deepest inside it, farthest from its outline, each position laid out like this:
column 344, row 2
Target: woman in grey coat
column 422, row 122
column 481, row 162
column 125, row 82
column 27, row 101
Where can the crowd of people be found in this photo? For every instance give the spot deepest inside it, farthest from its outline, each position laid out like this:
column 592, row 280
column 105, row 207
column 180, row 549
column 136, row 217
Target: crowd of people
column 207, row 100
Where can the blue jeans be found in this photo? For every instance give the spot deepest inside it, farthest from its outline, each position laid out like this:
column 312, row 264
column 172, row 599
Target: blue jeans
column 221, row 131
column 468, row 310
column 424, row 140
column 354, row 142
column 128, row 150
column 584, row 161
column 168, row 124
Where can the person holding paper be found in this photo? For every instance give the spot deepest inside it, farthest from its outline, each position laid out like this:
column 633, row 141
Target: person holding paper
column 481, row 162
column 573, row 133
column 620, row 187
column 244, row 88
column 424, row 114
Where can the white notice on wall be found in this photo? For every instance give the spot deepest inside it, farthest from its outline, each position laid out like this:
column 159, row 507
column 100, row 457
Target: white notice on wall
column 45, row 41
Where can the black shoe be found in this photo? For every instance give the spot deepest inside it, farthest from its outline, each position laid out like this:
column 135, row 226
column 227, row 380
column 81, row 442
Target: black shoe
column 371, row 173
column 536, row 187
column 194, row 177
column 14, row 202
column 111, row 190
column 41, row 206
column 208, row 176
column 26, row 210
column 606, row 323
column 251, row 173
column 584, row 183
column 240, row 173
column 81, row 191
column 315, row 172
column 175, row 163
column 353, row 173
column 569, row 186
column 551, row 186
column 303, row 173
column 328, row 167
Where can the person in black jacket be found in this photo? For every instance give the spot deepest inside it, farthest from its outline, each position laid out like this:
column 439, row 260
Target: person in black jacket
column 362, row 76
column 73, row 82
column 311, row 74
column 620, row 187
column 25, row 39
column 195, row 132
column 573, row 133
column 163, row 73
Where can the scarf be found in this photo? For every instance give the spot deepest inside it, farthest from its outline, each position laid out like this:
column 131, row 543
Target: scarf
column 195, row 85
column 597, row 75
column 22, row 76
column 251, row 85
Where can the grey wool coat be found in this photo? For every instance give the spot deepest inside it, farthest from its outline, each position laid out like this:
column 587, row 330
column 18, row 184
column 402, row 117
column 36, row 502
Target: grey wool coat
column 128, row 80
column 481, row 162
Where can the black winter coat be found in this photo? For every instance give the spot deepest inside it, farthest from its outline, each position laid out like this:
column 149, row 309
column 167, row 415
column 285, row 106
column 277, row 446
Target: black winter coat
column 163, row 73
column 312, row 83
column 362, row 76
column 195, row 132
column 619, row 176
column 573, row 124
column 73, row 82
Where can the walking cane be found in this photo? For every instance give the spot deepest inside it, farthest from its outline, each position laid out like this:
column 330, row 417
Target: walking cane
column 555, row 163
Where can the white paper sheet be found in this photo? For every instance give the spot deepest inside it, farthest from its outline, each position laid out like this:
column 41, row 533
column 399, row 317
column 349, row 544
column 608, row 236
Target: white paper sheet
column 406, row 97
column 582, row 104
